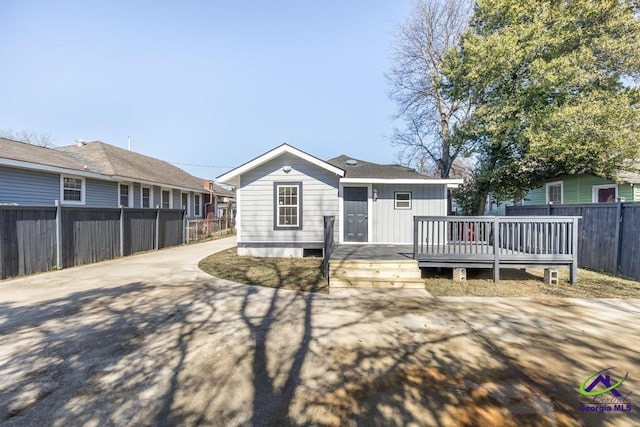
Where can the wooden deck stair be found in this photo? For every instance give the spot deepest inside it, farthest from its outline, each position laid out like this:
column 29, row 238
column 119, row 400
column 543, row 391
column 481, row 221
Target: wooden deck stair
column 375, row 274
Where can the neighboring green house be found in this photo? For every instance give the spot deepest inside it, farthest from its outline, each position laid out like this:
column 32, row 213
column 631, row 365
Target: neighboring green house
column 581, row 188
column 585, row 188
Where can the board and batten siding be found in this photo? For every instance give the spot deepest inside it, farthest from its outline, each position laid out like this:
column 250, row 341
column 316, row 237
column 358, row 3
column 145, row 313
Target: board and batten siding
column 27, row 187
column 319, row 198
column 392, row 225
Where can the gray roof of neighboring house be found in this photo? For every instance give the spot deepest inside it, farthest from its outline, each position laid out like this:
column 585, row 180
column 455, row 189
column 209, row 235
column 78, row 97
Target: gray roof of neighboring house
column 21, row 151
column 373, row 170
column 113, row 161
column 221, row 191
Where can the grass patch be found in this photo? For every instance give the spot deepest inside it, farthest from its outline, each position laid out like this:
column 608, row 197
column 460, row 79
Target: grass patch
column 517, row 283
column 298, row 274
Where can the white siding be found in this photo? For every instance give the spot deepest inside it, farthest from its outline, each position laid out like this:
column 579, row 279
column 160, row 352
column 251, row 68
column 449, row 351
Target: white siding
column 319, row 198
column 392, row 225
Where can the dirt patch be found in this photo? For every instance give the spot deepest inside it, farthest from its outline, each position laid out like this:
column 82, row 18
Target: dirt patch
column 298, row 274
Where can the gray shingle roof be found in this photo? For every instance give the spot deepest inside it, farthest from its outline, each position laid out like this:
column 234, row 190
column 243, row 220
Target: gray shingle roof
column 110, row 160
column 373, row 170
column 14, row 150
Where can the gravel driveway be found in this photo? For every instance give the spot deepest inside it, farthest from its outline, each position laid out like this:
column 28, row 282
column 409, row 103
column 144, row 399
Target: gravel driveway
column 152, row 340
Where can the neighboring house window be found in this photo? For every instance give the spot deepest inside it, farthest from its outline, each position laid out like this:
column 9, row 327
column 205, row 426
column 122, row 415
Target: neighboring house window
column 554, row 192
column 72, row 190
column 165, row 202
column 196, row 205
column 146, row 197
column 402, row 200
column 288, row 205
column 607, row 193
column 125, row 196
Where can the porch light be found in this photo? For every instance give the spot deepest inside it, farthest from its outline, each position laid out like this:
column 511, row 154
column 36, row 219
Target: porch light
column 375, row 194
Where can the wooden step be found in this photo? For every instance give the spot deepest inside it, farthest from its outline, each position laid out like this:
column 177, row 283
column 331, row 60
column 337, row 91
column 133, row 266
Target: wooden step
column 375, row 264
column 375, row 282
column 382, row 273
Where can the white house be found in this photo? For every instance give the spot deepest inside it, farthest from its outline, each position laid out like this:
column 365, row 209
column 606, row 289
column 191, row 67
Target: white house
column 283, row 195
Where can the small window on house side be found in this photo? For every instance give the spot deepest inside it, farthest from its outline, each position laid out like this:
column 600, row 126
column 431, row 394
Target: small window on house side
column 288, row 207
column 72, row 190
column 124, row 195
column 554, row 192
column 146, row 197
column 196, row 205
column 165, row 204
column 402, row 200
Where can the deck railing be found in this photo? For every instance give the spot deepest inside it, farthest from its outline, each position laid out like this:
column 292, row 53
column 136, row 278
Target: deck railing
column 327, row 246
column 516, row 241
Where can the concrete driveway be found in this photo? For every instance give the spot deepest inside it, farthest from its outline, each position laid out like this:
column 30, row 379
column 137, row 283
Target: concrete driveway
column 152, row 340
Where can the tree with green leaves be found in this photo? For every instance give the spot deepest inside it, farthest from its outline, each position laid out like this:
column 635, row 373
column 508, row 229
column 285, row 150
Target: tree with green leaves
column 553, row 84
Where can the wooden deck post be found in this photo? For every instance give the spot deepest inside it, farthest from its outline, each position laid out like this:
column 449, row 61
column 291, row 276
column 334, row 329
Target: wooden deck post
column 415, row 237
column 496, row 251
column 574, row 250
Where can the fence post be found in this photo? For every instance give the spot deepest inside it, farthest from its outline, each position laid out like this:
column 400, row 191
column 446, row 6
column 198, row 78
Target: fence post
column 496, row 251
column 58, row 234
column 156, row 245
column 617, row 241
column 121, row 231
column 185, row 228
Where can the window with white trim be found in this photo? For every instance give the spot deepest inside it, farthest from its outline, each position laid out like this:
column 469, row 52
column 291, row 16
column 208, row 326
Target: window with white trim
column 196, row 206
column 288, row 206
column 146, row 197
column 72, row 190
column 165, row 199
column 554, row 192
column 606, row 193
column 402, row 200
column 125, row 195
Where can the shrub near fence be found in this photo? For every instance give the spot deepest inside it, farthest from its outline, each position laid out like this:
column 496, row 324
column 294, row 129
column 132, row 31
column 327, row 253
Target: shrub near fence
column 34, row 239
column 608, row 234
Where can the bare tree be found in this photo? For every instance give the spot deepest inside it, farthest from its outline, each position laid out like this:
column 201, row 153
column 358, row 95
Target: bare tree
column 29, row 137
column 428, row 141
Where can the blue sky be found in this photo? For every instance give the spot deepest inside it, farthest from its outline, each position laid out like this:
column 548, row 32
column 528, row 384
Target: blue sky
column 208, row 83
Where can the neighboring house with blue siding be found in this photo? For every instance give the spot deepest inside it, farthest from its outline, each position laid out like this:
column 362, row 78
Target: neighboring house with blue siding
column 282, row 196
column 95, row 174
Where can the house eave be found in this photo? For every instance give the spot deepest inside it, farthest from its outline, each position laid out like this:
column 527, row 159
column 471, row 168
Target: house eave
column 438, row 181
column 47, row 168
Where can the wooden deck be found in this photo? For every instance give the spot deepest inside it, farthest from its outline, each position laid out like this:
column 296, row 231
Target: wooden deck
column 495, row 242
column 468, row 242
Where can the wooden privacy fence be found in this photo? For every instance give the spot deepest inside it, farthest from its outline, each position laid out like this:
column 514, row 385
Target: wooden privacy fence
column 495, row 242
column 34, row 239
column 608, row 234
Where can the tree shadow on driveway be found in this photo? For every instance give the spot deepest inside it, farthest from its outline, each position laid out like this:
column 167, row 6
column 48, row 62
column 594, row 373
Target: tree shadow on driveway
column 210, row 352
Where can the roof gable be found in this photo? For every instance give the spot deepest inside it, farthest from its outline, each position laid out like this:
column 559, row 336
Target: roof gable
column 232, row 176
